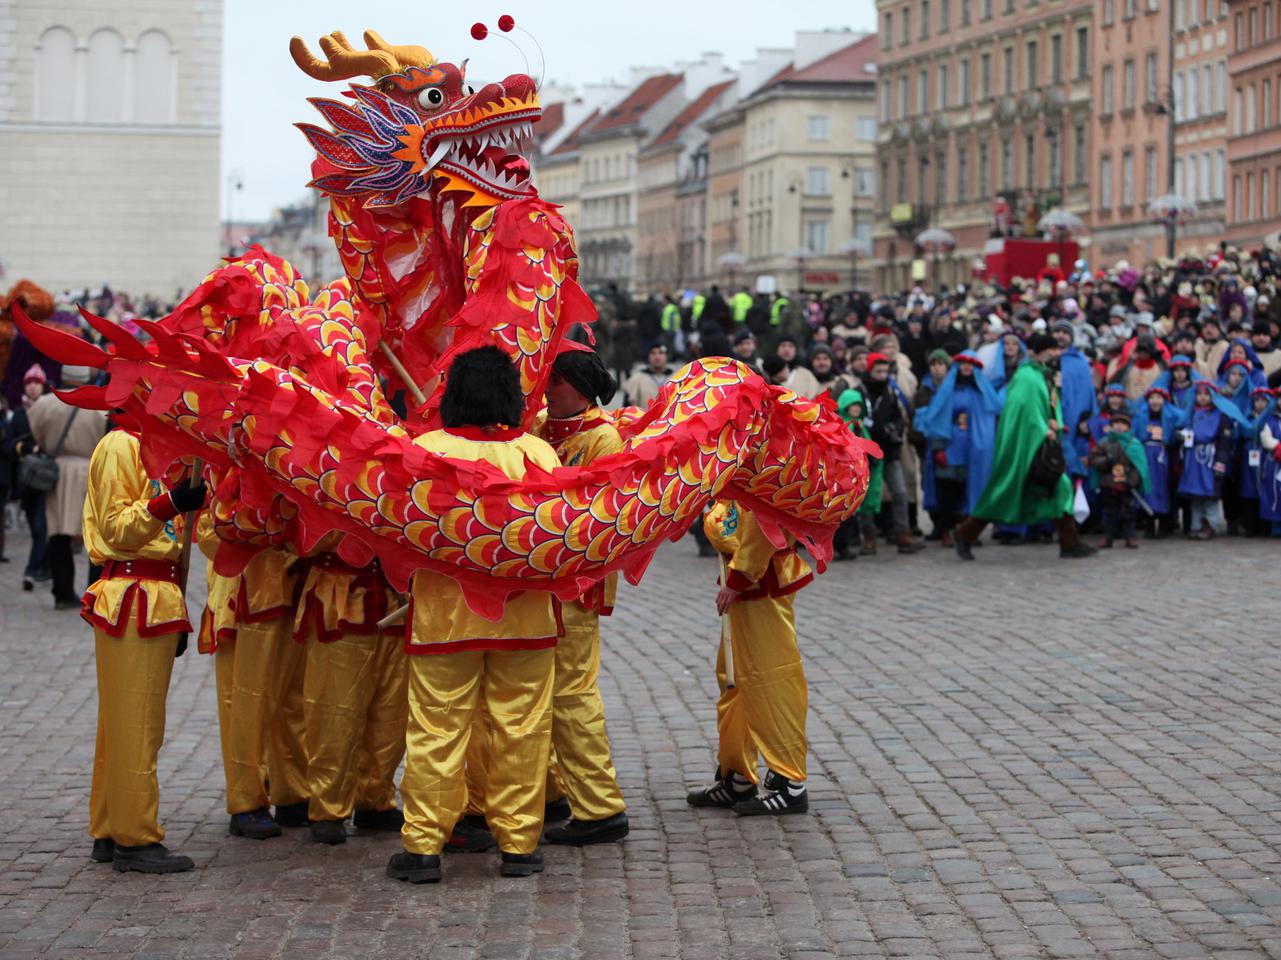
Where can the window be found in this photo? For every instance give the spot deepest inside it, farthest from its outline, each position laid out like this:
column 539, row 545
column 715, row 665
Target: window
column 1205, row 190
column 1105, row 182
column 905, row 27
column 1220, row 174
column 985, row 77
column 965, row 13
column 922, row 165
column 1149, row 174
column 1221, row 91
column 1267, row 35
column 1107, row 91
column 153, row 82
column 945, row 16
column 864, row 182
column 925, row 19
column 1127, row 179
column 963, row 83
column 1009, row 6
column 1078, row 153
column 1029, row 161
column 1207, row 88
column 865, row 129
column 1007, row 164
column 1082, row 53
column 1150, row 85
column 1127, row 92
column 985, row 9
column 1180, row 178
column 903, row 109
column 1238, row 33
column 887, row 32
column 1264, row 199
column 1056, row 58
column 943, row 87
column 1056, row 159
column 1252, row 35
column 818, row 128
column 105, row 78
column 1129, row 9
column 922, row 91
column 1193, row 101
column 816, row 182
column 1265, row 115
column 1249, row 196
column 55, row 76
column 902, row 180
column 1008, row 64
column 1180, row 16
column 1251, row 114
column 1180, row 103
column 816, row 236
column 1033, row 66
column 940, row 179
column 1109, row 12
column 1236, row 194
column 962, row 174
column 887, row 99
column 985, row 171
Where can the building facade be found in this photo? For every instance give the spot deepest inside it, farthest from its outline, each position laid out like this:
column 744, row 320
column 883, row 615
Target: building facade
column 109, row 117
column 984, row 110
column 1254, row 140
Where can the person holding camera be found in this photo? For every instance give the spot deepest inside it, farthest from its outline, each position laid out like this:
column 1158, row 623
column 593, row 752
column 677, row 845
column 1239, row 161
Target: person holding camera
column 888, row 428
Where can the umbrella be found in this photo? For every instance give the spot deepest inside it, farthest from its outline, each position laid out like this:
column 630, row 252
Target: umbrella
column 1059, row 220
column 1171, row 207
column 854, row 246
column 935, row 239
column 730, row 261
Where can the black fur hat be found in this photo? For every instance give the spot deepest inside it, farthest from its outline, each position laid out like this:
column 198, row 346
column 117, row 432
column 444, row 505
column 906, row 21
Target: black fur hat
column 482, row 389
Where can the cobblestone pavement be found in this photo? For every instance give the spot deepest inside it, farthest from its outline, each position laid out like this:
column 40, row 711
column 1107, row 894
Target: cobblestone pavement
column 986, row 781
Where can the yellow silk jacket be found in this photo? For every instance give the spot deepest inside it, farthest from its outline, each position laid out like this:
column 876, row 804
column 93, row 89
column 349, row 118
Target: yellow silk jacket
column 439, row 619
column 756, row 568
column 131, row 530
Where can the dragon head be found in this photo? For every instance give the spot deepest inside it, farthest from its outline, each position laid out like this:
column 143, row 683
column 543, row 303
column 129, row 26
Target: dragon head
column 418, row 123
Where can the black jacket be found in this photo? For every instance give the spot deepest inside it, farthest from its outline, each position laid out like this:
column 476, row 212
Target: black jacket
column 887, row 418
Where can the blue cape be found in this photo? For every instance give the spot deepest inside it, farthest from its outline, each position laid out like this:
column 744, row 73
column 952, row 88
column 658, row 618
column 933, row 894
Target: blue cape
column 1257, row 377
column 937, row 422
column 997, row 372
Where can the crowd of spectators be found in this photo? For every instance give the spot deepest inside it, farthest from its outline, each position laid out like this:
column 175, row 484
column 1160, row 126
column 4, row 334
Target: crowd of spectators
column 1183, row 358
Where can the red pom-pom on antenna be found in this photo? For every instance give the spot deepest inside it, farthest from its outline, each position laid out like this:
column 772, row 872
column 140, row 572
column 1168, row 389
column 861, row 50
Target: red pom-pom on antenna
column 506, row 22
column 479, row 31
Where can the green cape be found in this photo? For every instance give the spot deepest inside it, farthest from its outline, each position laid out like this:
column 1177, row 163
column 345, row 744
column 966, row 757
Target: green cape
column 1008, row 498
column 875, row 466
column 1135, row 453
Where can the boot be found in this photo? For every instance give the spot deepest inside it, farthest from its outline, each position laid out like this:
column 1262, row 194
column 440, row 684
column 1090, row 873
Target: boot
column 387, row 820
column 467, row 838
column 104, row 850
column 254, row 825
column 781, row 796
column 868, row 549
column 581, row 833
column 292, row 814
column 332, row 832
column 907, row 545
column 414, row 867
column 556, row 811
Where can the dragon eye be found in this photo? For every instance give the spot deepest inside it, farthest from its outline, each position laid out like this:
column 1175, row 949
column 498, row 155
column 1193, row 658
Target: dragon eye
column 431, row 98
column 470, row 90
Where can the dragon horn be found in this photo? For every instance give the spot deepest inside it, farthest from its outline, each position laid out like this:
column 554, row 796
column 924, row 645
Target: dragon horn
column 406, row 56
column 126, row 345
column 343, row 63
column 63, row 347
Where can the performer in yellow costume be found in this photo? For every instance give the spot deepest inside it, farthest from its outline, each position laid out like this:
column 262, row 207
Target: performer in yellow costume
column 354, row 696
column 761, row 711
column 581, row 433
column 133, row 529
column 259, row 672
column 462, row 663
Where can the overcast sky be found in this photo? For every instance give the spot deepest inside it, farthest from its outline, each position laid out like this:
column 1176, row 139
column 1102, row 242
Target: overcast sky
column 264, row 93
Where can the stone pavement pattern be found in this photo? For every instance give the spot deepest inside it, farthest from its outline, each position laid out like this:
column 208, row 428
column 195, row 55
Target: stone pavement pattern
column 986, row 781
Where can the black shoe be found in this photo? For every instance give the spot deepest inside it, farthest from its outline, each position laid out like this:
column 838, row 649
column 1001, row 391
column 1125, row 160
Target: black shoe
column 72, row 604
column 414, row 867
column 104, row 850
column 28, row 584
column 331, row 832
column 724, row 792
column 963, row 548
column 706, row 550
column 1077, row 552
column 149, row 858
column 781, row 796
column 582, row 833
column 468, row 839
column 254, row 824
column 387, row 820
column 520, row 864
column 557, row 811
column 292, row 814
column 476, row 820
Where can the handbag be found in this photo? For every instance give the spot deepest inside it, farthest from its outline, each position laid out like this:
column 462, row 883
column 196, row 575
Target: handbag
column 1049, row 464
column 38, row 471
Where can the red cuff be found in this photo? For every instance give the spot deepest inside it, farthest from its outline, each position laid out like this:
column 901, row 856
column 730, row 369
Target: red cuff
column 737, row 580
column 162, row 507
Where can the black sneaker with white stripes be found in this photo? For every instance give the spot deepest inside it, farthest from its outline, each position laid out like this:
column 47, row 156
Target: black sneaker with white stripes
column 781, row 796
column 724, row 793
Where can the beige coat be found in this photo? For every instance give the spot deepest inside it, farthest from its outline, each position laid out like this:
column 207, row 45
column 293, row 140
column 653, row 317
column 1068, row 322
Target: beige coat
column 65, row 504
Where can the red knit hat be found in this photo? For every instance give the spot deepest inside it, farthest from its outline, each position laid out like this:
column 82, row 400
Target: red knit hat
column 35, row 374
column 874, row 358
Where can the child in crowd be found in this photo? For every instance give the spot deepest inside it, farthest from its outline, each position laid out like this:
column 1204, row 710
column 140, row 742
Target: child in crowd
column 1121, row 465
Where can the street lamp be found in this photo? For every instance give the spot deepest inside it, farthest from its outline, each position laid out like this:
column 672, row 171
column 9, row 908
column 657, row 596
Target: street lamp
column 853, row 248
column 1171, row 210
column 936, row 240
column 1062, row 224
column 235, row 183
column 800, row 255
column 730, row 262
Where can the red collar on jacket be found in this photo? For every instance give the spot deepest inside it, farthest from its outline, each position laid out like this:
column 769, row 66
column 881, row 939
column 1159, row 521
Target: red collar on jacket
column 495, row 434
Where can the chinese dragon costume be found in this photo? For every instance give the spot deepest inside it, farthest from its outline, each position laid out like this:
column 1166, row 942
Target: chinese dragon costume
column 446, row 246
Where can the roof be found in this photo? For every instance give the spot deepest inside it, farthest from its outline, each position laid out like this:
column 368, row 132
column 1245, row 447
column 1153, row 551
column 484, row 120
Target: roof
column 553, row 119
column 845, row 65
column 637, row 103
column 692, row 112
column 570, row 143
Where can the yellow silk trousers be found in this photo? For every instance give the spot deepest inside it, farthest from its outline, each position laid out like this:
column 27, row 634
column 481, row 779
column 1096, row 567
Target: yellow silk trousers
column 478, row 768
column 584, row 764
column 260, row 715
column 513, row 690
column 354, row 709
column 133, row 679
column 764, row 713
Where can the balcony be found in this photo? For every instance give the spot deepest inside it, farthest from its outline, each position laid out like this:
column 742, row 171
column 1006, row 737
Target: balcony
column 908, row 218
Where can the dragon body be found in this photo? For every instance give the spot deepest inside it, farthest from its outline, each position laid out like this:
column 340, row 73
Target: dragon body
column 446, row 246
